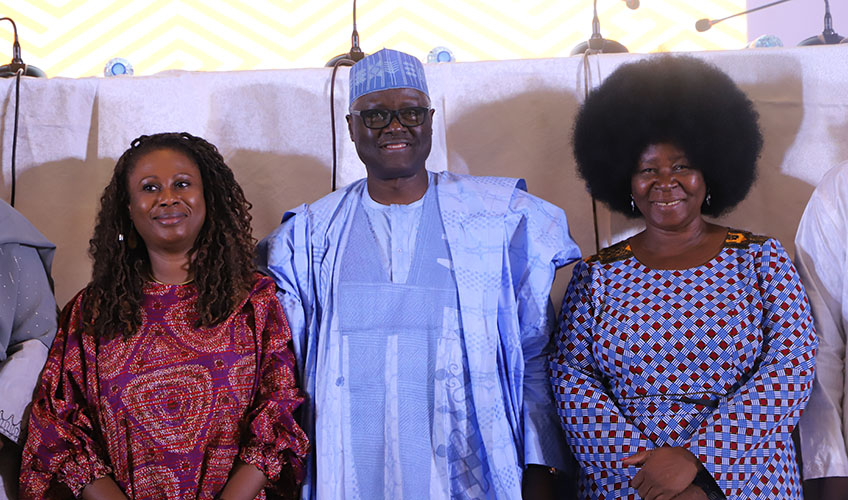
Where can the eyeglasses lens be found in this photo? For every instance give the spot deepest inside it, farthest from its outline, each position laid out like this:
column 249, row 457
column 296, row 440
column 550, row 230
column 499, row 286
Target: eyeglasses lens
column 380, row 118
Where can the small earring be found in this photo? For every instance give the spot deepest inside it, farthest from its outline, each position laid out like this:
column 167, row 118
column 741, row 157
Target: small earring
column 120, row 236
column 707, row 199
column 632, row 204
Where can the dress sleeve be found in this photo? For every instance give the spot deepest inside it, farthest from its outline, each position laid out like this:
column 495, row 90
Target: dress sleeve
column 273, row 442
column 63, row 448
column 821, row 254
column 746, row 431
column 539, row 244
column 599, row 435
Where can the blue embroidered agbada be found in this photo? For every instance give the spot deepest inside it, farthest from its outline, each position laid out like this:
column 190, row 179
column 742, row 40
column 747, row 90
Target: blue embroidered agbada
column 432, row 385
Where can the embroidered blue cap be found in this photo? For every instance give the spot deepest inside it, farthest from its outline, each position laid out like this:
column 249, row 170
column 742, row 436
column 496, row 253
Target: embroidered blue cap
column 386, row 69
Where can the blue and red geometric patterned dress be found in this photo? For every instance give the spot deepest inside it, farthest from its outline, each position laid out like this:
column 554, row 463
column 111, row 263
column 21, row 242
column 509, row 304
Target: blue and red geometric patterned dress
column 716, row 358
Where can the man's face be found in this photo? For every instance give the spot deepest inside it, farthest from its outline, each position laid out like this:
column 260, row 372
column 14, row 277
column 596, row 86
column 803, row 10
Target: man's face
column 396, row 150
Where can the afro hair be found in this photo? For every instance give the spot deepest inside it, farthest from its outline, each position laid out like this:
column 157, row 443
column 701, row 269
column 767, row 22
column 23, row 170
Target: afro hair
column 668, row 99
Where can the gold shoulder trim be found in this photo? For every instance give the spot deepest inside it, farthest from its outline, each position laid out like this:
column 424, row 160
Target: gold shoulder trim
column 614, row 253
column 743, row 239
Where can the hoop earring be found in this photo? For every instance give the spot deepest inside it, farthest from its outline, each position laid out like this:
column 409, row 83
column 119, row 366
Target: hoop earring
column 632, row 204
column 707, row 199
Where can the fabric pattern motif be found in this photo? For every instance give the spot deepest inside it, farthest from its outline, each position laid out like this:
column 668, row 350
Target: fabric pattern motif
column 167, row 411
column 386, row 69
column 397, row 334
column 717, row 358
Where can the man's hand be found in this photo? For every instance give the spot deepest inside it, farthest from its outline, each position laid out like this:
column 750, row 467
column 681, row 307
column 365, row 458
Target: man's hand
column 104, row 488
column 827, row 488
column 245, row 482
column 538, row 483
column 666, row 472
column 692, row 493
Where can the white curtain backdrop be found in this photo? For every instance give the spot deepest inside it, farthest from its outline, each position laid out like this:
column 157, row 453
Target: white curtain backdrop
column 508, row 118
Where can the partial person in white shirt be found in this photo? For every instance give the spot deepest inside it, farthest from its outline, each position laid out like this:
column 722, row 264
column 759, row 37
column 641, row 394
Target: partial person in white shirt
column 821, row 248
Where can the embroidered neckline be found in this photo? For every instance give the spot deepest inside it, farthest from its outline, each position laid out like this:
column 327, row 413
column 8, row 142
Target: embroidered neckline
column 620, row 251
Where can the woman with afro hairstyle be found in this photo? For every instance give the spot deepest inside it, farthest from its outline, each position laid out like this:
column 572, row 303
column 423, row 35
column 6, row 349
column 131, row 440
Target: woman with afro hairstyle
column 171, row 374
column 686, row 352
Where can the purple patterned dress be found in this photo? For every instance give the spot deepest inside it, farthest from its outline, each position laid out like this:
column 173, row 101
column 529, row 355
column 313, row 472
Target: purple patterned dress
column 716, row 358
column 167, row 411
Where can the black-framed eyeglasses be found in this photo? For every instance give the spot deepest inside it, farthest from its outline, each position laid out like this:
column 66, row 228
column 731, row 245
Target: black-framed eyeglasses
column 381, row 118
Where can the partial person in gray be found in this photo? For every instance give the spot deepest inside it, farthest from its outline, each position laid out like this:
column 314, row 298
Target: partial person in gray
column 27, row 326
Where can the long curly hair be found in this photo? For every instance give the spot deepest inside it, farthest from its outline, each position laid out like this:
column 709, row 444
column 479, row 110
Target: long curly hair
column 675, row 99
column 221, row 260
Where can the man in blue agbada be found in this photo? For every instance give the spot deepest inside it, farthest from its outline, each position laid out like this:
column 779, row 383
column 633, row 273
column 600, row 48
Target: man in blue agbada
column 420, row 312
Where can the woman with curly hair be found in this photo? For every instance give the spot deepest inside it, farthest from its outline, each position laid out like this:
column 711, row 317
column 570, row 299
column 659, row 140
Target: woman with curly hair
column 171, row 374
column 686, row 352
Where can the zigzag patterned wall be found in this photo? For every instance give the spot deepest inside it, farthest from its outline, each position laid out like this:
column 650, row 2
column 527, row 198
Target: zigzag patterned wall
column 75, row 38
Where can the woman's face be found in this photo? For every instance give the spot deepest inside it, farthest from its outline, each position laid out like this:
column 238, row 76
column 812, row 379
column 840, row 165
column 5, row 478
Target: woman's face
column 167, row 206
column 666, row 188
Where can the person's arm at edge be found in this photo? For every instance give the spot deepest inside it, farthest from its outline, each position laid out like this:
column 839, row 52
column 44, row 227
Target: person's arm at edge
column 29, row 320
column 65, row 449
column 581, row 395
column 532, row 284
column 103, row 488
column 272, row 442
column 821, row 258
column 245, row 482
column 786, row 361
